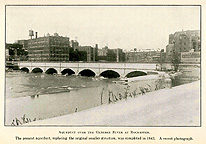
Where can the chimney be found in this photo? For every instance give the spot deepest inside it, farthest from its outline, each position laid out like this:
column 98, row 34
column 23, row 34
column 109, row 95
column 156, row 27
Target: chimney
column 36, row 34
column 96, row 46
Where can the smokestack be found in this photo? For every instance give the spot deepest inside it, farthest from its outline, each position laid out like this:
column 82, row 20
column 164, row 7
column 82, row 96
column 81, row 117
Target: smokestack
column 36, row 34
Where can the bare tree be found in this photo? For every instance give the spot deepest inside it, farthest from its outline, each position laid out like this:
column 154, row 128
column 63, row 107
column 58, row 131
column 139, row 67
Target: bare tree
column 175, row 59
column 162, row 59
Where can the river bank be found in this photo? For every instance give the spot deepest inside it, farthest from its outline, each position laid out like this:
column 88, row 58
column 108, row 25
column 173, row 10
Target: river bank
column 178, row 106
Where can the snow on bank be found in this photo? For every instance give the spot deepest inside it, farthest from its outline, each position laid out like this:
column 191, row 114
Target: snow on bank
column 179, row 106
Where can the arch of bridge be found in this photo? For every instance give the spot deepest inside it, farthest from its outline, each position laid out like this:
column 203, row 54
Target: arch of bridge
column 24, row 68
column 119, row 71
column 73, row 69
column 87, row 68
column 42, row 68
column 97, row 68
column 29, row 68
column 135, row 70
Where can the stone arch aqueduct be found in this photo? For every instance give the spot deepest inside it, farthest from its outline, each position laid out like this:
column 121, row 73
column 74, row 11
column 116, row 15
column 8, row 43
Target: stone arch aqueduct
column 121, row 68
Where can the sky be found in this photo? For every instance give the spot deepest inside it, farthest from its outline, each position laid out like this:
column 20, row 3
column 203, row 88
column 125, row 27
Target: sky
column 126, row 27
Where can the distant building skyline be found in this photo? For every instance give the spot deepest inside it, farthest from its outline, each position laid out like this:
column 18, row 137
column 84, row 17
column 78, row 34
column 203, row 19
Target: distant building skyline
column 126, row 27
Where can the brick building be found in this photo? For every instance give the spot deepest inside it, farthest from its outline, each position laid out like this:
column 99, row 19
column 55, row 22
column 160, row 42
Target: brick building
column 24, row 43
column 183, row 41
column 147, row 55
column 16, row 52
column 49, row 48
column 106, row 54
column 91, row 52
column 103, row 51
column 120, row 55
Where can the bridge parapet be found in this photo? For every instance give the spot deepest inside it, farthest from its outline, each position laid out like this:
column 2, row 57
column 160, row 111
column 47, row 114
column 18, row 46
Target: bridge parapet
column 121, row 68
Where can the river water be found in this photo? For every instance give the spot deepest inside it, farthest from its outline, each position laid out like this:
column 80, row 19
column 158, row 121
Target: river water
column 39, row 96
column 43, row 96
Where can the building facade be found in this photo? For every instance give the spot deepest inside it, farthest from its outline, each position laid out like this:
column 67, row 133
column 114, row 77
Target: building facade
column 16, row 52
column 24, row 43
column 103, row 51
column 120, row 55
column 183, row 41
column 91, row 52
column 74, row 44
column 116, row 55
column 49, row 48
column 190, row 57
column 147, row 55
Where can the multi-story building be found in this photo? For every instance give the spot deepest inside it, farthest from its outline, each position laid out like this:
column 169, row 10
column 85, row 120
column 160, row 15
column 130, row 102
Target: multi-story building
column 106, row 54
column 103, row 51
column 120, row 55
column 16, row 52
column 183, row 41
column 74, row 44
column 91, row 52
column 145, row 55
column 49, row 48
column 24, row 43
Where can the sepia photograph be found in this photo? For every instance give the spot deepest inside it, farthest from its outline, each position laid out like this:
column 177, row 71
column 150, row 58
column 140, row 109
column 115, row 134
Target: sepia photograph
column 102, row 65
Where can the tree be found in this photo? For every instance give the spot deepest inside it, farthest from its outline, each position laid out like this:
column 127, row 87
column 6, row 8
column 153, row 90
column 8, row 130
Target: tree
column 175, row 59
column 111, row 56
column 75, row 55
column 122, row 57
column 162, row 58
